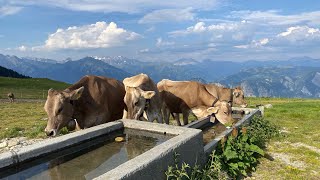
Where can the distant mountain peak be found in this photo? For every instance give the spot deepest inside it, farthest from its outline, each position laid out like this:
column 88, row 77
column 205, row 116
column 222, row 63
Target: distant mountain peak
column 185, row 61
column 117, row 61
column 40, row 59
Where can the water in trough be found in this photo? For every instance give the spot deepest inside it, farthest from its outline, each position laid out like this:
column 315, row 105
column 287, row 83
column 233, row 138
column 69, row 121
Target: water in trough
column 90, row 159
column 211, row 130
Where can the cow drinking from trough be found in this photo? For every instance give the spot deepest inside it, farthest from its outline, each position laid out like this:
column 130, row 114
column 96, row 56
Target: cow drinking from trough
column 190, row 96
column 91, row 101
column 142, row 96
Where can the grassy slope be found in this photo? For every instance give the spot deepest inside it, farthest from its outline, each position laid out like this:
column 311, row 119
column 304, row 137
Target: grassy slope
column 24, row 118
column 297, row 155
column 34, row 88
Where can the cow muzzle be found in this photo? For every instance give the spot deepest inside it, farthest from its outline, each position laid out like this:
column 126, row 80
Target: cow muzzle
column 244, row 105
column 52, row 132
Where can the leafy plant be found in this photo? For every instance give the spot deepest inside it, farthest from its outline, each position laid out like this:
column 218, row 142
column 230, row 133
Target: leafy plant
column 212, row 170
column 176, row 172
column 261, row 130
column 235, row 156
column 239, row 154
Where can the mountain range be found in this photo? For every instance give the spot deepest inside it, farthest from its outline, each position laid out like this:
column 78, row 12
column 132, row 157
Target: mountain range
column 298, row 77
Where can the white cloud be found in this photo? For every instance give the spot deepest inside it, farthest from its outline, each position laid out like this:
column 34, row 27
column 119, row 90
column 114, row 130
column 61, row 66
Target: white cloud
column 166, row 15
column 160, row 43
column 273, row 17
column 151, row 29
column 254, row 44
column 293, row 37
column 298, row 35
column 127, row 6
column 22, row 48
column 201, row 27
column 98, row 35
column 222, row 32
column 9, row 10
column 144, row 50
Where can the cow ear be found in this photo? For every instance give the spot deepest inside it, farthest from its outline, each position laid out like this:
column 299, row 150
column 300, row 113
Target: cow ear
column 76, row 94
column 148, row 94
column 50, row 91
column 213, row 110
column 236, row 94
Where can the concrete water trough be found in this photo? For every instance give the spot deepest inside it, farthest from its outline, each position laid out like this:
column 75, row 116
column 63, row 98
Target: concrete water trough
column 149, row 163
column 246, row 114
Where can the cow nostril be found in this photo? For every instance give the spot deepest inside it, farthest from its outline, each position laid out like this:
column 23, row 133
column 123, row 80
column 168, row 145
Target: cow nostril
column 50, row 133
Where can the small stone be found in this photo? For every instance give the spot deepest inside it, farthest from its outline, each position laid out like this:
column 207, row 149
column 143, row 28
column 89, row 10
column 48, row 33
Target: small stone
column 246, row 112
column 13, row 142
column 268, row 106
column 3, row 144
column 23, row 139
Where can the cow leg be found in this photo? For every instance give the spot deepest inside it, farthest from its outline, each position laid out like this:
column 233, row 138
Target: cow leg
column 125, row 114
column 166, row 114
column 159, row 117
column 185, row 117
column 177, row 118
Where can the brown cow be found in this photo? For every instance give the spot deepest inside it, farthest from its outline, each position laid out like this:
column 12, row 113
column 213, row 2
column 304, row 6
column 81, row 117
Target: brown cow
column 142, row 96
column 232, row 95
column 91, row 101
column 11, row 97
column 190, row 96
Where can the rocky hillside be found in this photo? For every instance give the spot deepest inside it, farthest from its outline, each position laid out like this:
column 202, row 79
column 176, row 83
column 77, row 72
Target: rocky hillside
column 278, row 81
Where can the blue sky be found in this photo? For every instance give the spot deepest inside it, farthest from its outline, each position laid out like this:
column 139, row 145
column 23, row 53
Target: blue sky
column 148, row 30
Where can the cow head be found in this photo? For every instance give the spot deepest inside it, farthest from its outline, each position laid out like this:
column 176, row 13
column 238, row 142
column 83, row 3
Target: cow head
column 59, row 108
column 222, row 111
column 238, row 97
column 136, row 100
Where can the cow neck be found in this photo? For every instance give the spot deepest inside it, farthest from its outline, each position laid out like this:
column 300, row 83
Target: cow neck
column 214, row 102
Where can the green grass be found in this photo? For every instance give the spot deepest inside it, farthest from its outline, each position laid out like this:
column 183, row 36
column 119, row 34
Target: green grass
column 33, row 88
column 22, row 119
column 301, row 118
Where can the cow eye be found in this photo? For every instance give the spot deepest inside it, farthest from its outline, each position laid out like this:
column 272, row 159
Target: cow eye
column 59, row 110
column 136, row 103
column 225, row 113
